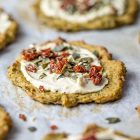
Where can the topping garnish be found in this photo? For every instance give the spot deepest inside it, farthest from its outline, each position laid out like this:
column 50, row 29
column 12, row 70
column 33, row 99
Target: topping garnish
column 76, row 55
column 31, row 68
column 42, row 76
column 58, row 66
column 30, row 54
column 72, row 6
column 95, row 74
column 60, row 48
column 96, row 53
column 42, row 89
column 113, row 120
column 79, row 69
column 64, row 61
column 47, row 53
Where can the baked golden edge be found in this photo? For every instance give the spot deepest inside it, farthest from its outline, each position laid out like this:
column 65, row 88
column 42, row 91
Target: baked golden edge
column 105, row 22
column 5, row 123
column 89, row 130
column 10, row 35
column 115, row 70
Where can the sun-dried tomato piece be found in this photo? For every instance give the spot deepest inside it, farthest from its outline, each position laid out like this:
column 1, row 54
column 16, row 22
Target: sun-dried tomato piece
column 60, row 66
column 79, row 69
column 95, row 75
column 65, row 54
column 94, row 69
column 96, row 78
column 67, row 3
column 41, row 88
column 47, row 53
column 31, row 68
column 62, row 55
column 52, row 65
column 30, row 54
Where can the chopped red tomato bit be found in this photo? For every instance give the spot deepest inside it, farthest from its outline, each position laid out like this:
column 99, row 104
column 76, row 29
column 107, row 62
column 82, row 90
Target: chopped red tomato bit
column 54, row 127
column 52, row 65
column 30, row 54
column 95, row 75
column 94, row 69
column 47, row 53
column 97, row 78
column 31, row 68
column 79, row 68
column 41, row 88
column 60, row 65
column 22, row 117
column 57, row 66
column 63, row 55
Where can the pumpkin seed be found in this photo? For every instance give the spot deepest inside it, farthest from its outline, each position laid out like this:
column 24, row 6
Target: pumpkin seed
column 42, row 76
column 75, row 56
column 32, row 129
column 60, row 48
column 60, row 76
column 96, row 53
column 86, row 60
column 113, row 120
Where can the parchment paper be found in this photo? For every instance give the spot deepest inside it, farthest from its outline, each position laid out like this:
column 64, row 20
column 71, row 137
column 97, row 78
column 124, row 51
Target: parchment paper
column 121, row 42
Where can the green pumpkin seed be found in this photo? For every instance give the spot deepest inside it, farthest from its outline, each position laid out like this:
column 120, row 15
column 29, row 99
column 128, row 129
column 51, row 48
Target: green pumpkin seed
column 113, row 120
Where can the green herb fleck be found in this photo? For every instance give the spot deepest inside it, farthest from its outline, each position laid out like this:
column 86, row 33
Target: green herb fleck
column 113, row 120
column 32, row 129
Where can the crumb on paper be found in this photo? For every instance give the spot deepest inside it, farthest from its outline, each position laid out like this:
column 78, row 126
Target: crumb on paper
column 53, row 127
column 32, row 129
column 22, row 117
column 33, row 119
column 138, row 110
column 139, row 37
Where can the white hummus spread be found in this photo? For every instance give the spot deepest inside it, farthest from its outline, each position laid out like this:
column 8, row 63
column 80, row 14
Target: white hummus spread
column 75, row 83
column 52, row 8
